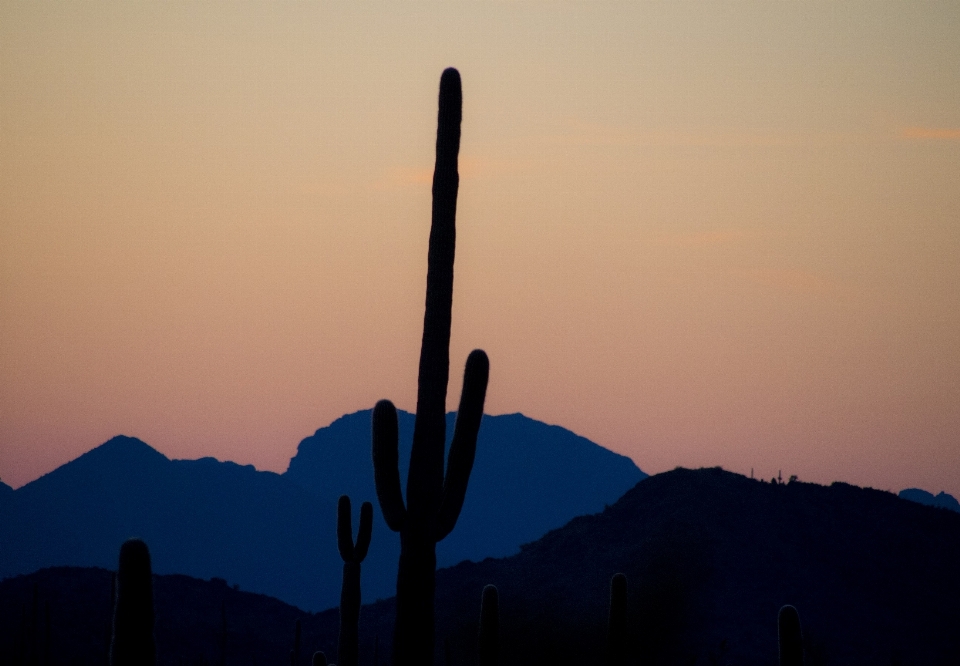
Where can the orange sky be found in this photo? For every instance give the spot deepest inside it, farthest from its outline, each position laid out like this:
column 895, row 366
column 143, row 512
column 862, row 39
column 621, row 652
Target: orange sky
column 696, row 233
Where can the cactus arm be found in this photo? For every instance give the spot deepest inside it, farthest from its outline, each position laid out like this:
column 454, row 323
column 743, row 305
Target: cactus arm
column 363, row 536
column 464, row 445
column 386, row 469
column 344, row 529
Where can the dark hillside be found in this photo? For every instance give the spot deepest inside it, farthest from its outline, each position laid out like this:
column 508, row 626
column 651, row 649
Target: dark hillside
column 710, row 557
column 189, row 625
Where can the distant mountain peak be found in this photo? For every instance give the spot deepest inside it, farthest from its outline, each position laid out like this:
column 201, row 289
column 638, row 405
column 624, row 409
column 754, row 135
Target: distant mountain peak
column 119, row 455
column 943, row 500
column 124, row 447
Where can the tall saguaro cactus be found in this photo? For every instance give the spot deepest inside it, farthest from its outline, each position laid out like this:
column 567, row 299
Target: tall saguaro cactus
column 133, row 643
column 791, row 639
column 348, row 648
column 433, row 500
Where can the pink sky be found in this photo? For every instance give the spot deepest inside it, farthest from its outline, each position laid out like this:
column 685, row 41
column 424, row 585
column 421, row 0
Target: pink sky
column 697, row 233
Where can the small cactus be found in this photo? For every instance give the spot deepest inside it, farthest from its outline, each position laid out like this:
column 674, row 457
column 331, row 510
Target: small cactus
column 488, row 645
column 133, row 642
column 295, row 652
column 434, row 501
column 791, row 639
column 348, row 648
column 617, row 626
column 319, row 659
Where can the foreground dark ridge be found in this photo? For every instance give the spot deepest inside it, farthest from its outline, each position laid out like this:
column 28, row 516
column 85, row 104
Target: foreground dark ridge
column 710, row 557
column 190, row 616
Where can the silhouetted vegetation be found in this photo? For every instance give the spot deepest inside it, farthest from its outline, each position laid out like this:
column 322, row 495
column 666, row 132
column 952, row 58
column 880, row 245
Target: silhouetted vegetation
column 488, row 642
column 434, row 501
column 790, row 637
column 133, row 641
column 348, row 644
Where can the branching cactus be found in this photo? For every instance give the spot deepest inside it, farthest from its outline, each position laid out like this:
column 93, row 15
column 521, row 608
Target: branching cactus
column 352, row 555
column 433, row 500
column 791, row 639
column 617, row 627
column 133, row 642
column 488, row 645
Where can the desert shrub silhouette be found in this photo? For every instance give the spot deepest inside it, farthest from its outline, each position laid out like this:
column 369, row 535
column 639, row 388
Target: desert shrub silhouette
column 433, row 500
column 133, row 642
column 791, row 639
column 488, row 644
column 348, row 644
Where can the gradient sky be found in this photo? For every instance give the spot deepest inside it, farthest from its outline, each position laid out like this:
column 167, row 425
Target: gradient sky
column 697, row 233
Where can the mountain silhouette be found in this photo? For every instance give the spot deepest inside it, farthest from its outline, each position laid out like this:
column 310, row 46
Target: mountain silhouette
column 276, row 534
column 528, row 478
column 709, row 556
column 942, row 500
column 202, row 517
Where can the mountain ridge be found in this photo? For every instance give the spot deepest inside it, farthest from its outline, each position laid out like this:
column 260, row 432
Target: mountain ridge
column 942, row 500
column 272, row 533
column 709, row 555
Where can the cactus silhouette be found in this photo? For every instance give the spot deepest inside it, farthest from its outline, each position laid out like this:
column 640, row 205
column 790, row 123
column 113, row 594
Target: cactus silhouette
column 791, row 639
column 488, row 645
column 433, row 500
column 222, row 640
column 348, row 648
column 617, row 626
column 295, row 653
column 319, row 659
column 133, row 642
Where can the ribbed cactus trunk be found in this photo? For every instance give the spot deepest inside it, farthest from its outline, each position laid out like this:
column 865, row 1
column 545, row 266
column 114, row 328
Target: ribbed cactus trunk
column 348, row 649
column 791, row 638
column 488, row 643
column 133, row 642
column 433, row 500
column 617, row 626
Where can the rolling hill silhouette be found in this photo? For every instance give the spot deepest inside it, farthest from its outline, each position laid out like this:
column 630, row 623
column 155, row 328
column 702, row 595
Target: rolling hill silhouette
column 275, row 534
column 710, row 556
